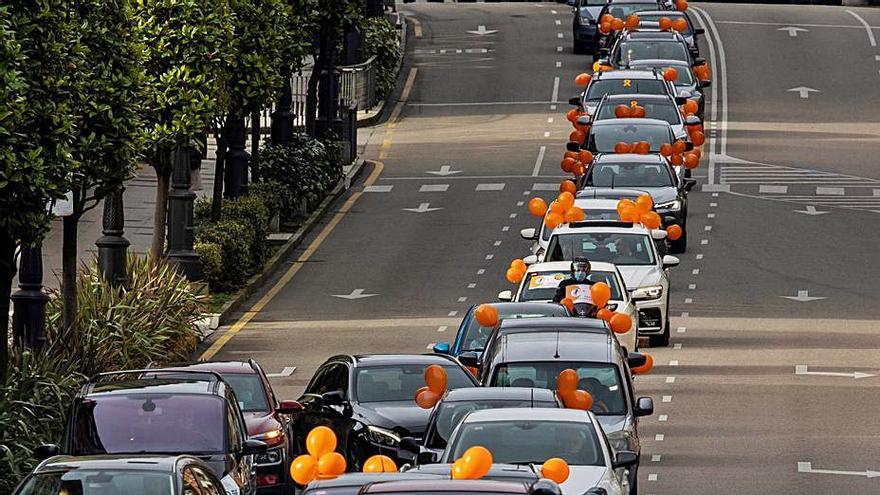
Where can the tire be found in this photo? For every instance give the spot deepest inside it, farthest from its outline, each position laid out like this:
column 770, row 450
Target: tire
column 661, row 340
column 679, row 245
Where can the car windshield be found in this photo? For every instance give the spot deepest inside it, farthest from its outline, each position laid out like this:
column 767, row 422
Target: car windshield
column 249, row 391
column 629, row 51
column 475, row 336
column 629, row 175
column 541, row 286
column 150, row 423
column 450, row 414
column 531, row 442
column 601, row 380
column 603, row 87
column 654, row 109
column 99, row 482
column 600, row 215
column 653, row 20
column 611, row 247
column 623, row 10
column 399, row 382
column 603, row 138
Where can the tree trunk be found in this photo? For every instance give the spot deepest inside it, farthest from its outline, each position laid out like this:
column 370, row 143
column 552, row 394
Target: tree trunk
column 312, row 96
column 7, row 273
column 160, row 212
column 219, row 171
column 69, row 257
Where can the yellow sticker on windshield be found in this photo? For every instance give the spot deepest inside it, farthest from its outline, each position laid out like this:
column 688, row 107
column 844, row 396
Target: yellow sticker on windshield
column 627, row 83
column 633, row 104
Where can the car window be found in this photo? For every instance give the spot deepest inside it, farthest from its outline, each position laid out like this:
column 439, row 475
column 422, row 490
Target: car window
column 603, row 138
column 450, row 414
column 618, row 248
column 541, row 286
column 665, row 110
column 623, row 10
column 601, row 380
column 531, row 441
column 249, row 391
column 600, row 88
column 317, row 382
column 331, row 378
column 630, row 175
column 93, row 482
column 599, row 215
column 207, row 484
column 629, row 51
column 475, row 336
column 653, row 20
column 399, row 382
column 232, row 424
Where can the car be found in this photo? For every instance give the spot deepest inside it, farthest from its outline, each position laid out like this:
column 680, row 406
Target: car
column 529, row 437
column 153, row 411
column 450, row 486
column 369, row 401
column 267, row 419
column 585, row 24
column 604, row 135
column 638, row 45
column 622, row 9
column 660, row 107
column 622, row 82
column 650, row 20
column 687, row 85
column 351, row 483
column 456, row 404
column 471, row 336
column 631, row 247
column 541, row 280
column 122, row 474
column 651, row 174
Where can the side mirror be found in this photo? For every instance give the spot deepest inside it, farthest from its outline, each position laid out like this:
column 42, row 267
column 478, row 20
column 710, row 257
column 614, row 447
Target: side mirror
column 530, row 259
column 635, row 359
column 658, row 234
column 692, row 120
column 441, row 348
column 573, row 146
column 688, row 184
column 575, row 101
column 46, row 451
column 625, row 458
column 289, row 407
column 699, row 61
column 681, row 100
column 583, row 120
column 670, row 261
column 334, row 398
column 253, row 447
column 530, row 234
column 699, row 31
column 644, row 406
column 505, row 295
column 409, row 444
column 705, row 83
column 470, row 359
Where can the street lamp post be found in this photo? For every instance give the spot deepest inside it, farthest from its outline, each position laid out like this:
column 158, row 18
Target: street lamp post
column 180, row 217
column 29, row 302
column 113, row 246
column 236, row 158
column 282, row 117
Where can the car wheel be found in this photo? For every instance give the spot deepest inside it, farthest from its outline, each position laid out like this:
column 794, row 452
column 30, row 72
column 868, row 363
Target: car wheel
column 679, row 245
column 661, row 340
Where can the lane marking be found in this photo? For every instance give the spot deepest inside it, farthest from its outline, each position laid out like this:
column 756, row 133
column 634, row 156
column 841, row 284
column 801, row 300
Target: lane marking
column 681, row 329
column 544, row 186
column 287, row 371
column 559, row 49
column 559, row 35
column 480, row 103
column 695, row 271
column 512, row 215
column 471, row 285
column 663, row 418
column 442, row 328
column 505, row 228
column 757, row 23
column 652, row 477
column 417, row 27
column 835, row 191
column 558, row 22
column 453, row 313
column 667, row 398
column 704, row 242
column 520, row 203
column 558, row 64
column 676, row 347
column 462, row 299
column 868, row 28
column 659, row 437
column 707, row 228
column 495, row 186
column 555, row 94
column 722, row 68
column 655, row 458
column 496, row 243
column 489, row 256
column 546, row 134
column 434, row 188
column 378, row 189
column 549, row 120
column 688, row 300
column 674, row 362
column 481, row 271
column 767, row 189
column 670, row 379
column 684, row 314
column 692, row 286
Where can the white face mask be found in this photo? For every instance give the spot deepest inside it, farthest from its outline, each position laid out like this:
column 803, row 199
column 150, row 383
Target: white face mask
column 580, row 276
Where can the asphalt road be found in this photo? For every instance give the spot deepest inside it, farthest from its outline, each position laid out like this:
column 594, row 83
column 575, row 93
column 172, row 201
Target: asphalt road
column 786, row 208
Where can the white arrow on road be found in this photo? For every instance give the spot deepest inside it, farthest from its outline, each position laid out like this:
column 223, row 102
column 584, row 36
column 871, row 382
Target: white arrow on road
column 444, row 171
column 803, row 296
column 812, row 211
column 804, row 91
column 423, row 208
column 287, row 371
column 793, row 31
column 807, row 467
column 355, row 294
column 803, row 369
column 481, row 30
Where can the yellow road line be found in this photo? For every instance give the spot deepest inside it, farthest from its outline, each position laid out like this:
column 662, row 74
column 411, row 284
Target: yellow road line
column 417, row 27
column 325, row 232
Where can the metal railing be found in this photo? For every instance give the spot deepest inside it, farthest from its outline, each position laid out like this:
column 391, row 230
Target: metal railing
column 358, row 85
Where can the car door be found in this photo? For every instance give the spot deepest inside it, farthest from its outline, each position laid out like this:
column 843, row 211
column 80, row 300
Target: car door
column 310, row 416
column 243, row 471
column 207, row 482
column 338, row 415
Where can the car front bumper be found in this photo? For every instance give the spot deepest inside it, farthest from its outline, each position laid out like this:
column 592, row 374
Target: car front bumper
column 652, row 316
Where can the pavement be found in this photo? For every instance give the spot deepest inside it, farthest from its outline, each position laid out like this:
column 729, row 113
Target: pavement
column 770, row 382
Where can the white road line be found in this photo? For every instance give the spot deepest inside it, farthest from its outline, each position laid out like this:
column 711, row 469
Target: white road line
column 471, row 285
column 494, row 186
column 378, row 189
column 434, row 188
column 688, row 300
column 546, row 134
column 681, row 329
column 505, row 228
column 692, row 286
column 877, row 58
column 756, row 23
column 544, row 186
column 676, row 346
column 442, row 328
column 553, row 12
column 490, row 256
column 481, row 271
column 558, row 48
column 652, row 477
column 659, row 437
column 674, row 362
column 655, row 458
column 526, row 193
column 559, row 35
column 453, row 313
column 699, row 256
column 715, row 195
column 670, row 379
column 704, row 242
column 549, row 120
column 667, row 398
column 287, row 371
column 695, row 271
column 663, row 418
column 707, row 228
column 685, row 314
column 520, row 203
column 721, row 65
column 558, row 64
column 767, row 189
column 512, row 215
column 429, row 346
column 462, row 299
column 555, row 95
column 710, row 215
column 713, row 205
column 558, row 22
column 835, row 191
column 496, row 243
column 871, row 39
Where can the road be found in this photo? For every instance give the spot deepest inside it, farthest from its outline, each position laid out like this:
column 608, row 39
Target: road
column 757, row 392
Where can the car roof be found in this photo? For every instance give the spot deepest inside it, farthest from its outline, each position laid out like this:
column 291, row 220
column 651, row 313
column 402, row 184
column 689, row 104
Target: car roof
column 361, row 479
column 590, row 203
column 555, row 266
column 613, row 194
column 601, row 226
column 553, row 324
column 391, row 359
column 623, row 122
column 123, row 461
column 652, row 36
column 499, row 393
column 527, row 307
column 552, row 346
column 650, row 158
column 447, row 486
column 658, row 62
column 150, row 386
column 527, row 414
column 628, row 97
column 627, row 74
column 222, row 367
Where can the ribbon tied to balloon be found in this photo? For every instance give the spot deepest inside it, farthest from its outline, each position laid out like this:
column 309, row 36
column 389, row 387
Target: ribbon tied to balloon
column 322, row 462
column 435, row 384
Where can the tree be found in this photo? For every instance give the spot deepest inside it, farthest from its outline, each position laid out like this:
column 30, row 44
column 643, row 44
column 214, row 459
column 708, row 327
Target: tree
column 186, row 49
column 38, row 54
column 106, row 104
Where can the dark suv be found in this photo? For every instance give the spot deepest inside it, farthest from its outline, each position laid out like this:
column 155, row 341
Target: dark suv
column 161, row 412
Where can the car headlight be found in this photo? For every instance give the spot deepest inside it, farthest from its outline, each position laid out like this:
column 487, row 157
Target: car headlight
column 652, row 292
column 381, row 436
column 620, row 440
column 271, row 437
column 269, row 458
column 671, row 205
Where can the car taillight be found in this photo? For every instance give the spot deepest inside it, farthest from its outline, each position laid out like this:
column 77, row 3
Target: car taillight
column 267, row 479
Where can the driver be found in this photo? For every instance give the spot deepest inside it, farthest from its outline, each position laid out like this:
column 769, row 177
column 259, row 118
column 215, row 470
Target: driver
column 578, row 284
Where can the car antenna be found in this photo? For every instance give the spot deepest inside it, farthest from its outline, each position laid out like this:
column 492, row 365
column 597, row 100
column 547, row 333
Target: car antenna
column 556, row 356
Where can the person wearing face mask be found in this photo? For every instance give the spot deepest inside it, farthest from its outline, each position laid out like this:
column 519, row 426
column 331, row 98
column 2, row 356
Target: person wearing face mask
column 577, row 287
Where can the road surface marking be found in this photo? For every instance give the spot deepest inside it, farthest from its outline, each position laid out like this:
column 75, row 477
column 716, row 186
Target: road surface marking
column 681, row 329
column 670, row 379
column 489, row 256
column 481, row 271
column 704, row 241
column 471, row 285
column 807, row 467
column 422, row 208
column 836, row 191
column 559, row 35
column 659, row 437
column 756, row 23
column 558, row 64
column 803, row 91
column 287, row 371
column 868, row 27
column 417, row 26
column 495, row 186
column 676, row 347
column 355, row 294
column 663, row 418
column 453, row 313
column 674, row 362
column 444, row 171
column 652, row 477
column 512, row 215
column 538, row 161
column 378, row 189
column 555, row 95
column 558, row 22
column 721, row 64
column 496, row 243
column 803, row 369
column 688, row 300
column 803, row 296
column 546, row 134
column 767, row 189
column 520, row 203
column 442, row 328
column 695, row 271
column 462, row 299
column 699, row 256
column 505, row 228
column 549, row 120
column 684, row 314
column 558, row 48
column 667, row 398
column 793, row 30
column 544, row 186
column 655, row 458
column 707, row 228
column 434, row 188
column 692, row 286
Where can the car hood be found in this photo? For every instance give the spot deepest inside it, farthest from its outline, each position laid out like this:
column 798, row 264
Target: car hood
column 640, row 276
column 260, row 422
column 400, row 416
column 582, row 478
column 660, row 194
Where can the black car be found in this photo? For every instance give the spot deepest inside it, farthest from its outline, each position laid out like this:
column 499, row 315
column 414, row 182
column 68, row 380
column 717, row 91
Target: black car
column 650, row 20
column 623, row 82
column 660, row 107
column 128, row 475
column 687, row 85
column 622, row 9
column 604, row 135
column 369, row 401
column 652, row 45
column 651, row 174
column 585, row 24
column 351, row 483
column 158, row 412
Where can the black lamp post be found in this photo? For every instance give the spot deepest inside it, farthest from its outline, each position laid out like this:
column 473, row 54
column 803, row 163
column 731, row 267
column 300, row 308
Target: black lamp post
column 282, row 117
column 237, row 158
column 180, row 217
column 113, row 246
column 29, row 302
column 328, row 121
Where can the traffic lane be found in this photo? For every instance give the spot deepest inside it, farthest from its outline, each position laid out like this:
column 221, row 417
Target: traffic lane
column 833, row 129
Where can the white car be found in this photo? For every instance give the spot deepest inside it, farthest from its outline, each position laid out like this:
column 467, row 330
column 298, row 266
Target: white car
column 631, row 247
column 528, row 437
column 541, row 280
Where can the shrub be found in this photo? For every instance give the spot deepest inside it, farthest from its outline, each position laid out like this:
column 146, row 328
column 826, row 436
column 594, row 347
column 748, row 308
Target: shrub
column 234, row 239
column 211, row 258
column 382, row 40
column 305, row 170
column 272, row 193
column 250, row 210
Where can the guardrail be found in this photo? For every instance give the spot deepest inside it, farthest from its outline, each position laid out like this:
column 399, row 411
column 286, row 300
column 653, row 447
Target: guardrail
column 358, row 85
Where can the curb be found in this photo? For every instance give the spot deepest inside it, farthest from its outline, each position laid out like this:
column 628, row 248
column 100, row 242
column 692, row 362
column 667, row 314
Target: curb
column 213, row 321
column 377, row 115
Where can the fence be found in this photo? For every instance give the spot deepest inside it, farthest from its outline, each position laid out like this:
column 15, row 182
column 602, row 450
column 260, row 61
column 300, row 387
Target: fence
column 358, row 85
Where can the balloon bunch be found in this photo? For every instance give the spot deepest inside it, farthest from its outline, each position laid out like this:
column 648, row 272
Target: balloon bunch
column 670, row 74
column 629, row 112
column 379, row 464
column 473, row 464
column 575, row 162
column 566, row 389
column 703, row 72
column 563, row 210
column 639, row 147
column 680, row 24
column 639, row 211
column 515, row 273
column 675, row 152
column 610, row 23
column 322, row 461
column 555, row 469
column 435, row 380
column 600, row 293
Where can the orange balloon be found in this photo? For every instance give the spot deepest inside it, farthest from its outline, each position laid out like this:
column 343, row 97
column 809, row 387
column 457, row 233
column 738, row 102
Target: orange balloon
column 606, row 18
column 632, row 22
column 568, row 303
column 331, row 464
column 568, row 164
column 676, row 159
column 518, row 264
column 572, row 115
column 604, row 314
column 476, row 462
column 567, row 186
column 585, row 156
column 577, row 399
column 577, row 136
column 583, row 79
column 570, row 154
column 557, row 207
column 624, row 203
column 698, row 138
column 566, row 199
column 666, row 149
column 673, row 232
column 629, row 214
column 514, row 276
column 638, row 112
column 426, row 399
column 620, row 323
column 622, row 147
column 567, row 380
column 380, row 464
column 601, row 294
column 645, row 203
column 617, row 24
column 665, row 23
column 320, row 441
column 679, row 146
column 304, row 469
column 553, row 219
column 680, row 24
column 486, row 315
column 435, row 378
column 605, row 27
column 670, row 74
column 555, row 469
column 645, row 368
column 691, row 161
column 573, row 214
column 651, row 220
column 641, row 147
column 681, row 5
column 622, row 111
column 702, row 72
column 537, row 207
column 697, row 152
column 580, row 170
column 691, row 106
